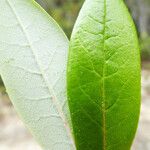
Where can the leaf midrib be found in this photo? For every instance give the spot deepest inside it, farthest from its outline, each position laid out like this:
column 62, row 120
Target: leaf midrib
column 50, row 89
column 103, row 80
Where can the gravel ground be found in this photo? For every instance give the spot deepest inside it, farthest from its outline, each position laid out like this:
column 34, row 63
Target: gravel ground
column 14, row 136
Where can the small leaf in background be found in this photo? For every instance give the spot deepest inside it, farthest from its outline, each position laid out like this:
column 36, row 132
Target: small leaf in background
column 103, row 77
column 33, row 56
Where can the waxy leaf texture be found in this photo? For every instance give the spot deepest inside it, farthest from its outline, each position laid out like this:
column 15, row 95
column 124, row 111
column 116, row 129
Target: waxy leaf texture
column 33, row 61
column 103, row 77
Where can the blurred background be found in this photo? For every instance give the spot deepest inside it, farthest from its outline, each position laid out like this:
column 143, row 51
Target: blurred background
column 13, row 134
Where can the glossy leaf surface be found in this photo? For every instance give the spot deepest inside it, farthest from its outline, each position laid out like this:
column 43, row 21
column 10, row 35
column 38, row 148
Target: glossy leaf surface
column 103, row 77
column 33, row 56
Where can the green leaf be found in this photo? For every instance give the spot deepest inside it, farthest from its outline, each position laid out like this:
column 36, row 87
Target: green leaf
column 103, row 77
column 33, row 56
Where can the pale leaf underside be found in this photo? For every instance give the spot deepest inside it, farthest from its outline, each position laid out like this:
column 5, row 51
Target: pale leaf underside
column 33, row 56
